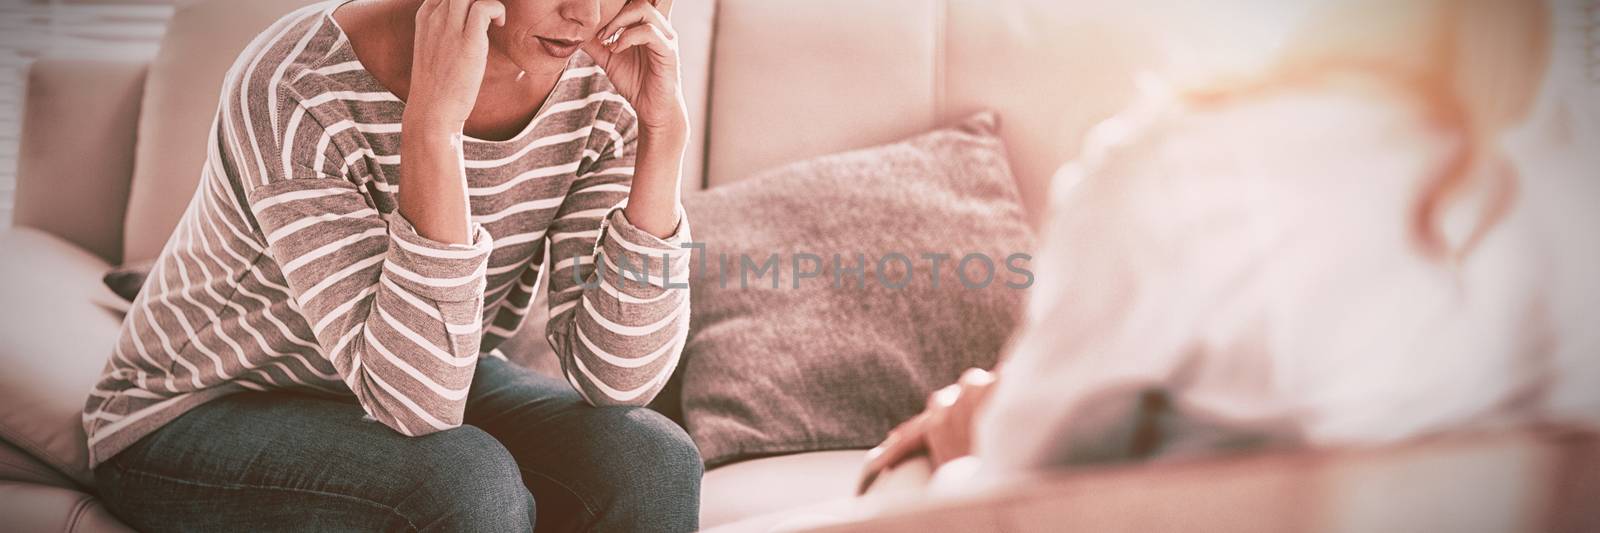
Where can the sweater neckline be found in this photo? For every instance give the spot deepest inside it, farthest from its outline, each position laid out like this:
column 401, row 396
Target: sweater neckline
column 343, row 47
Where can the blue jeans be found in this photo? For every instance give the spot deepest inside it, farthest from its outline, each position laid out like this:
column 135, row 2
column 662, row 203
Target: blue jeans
column 282, row 460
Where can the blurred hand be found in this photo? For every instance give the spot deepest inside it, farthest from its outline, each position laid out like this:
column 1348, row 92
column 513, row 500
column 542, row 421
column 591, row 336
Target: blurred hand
column 943, row 430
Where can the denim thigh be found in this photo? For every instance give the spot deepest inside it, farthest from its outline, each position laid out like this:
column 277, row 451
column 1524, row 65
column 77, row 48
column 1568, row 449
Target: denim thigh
column 590, row 468
column 280, row 460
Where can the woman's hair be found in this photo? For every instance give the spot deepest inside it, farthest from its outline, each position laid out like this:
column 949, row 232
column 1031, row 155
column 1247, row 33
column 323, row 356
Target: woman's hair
column 1474, row 66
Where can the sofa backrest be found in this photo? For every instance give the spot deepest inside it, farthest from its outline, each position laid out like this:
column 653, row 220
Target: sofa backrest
column 799, row 79
column 180, row 98
column 185, row 80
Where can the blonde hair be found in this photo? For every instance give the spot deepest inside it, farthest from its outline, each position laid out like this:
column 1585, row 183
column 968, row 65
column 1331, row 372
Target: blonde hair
column 1474, row 66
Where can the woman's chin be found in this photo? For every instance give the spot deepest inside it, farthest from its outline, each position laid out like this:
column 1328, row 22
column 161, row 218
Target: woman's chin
column 534, row 59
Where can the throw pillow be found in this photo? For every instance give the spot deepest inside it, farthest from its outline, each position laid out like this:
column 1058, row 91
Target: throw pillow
column 831, row 296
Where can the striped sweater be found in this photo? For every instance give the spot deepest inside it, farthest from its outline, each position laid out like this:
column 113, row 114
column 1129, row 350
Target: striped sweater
column 292, row 268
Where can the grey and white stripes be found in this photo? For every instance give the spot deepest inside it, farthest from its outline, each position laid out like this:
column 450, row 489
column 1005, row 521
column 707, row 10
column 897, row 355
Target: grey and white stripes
column 292, row 269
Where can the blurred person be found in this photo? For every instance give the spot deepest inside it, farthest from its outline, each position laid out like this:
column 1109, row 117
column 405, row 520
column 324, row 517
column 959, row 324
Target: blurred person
column 316, row 346
column 1367, row 243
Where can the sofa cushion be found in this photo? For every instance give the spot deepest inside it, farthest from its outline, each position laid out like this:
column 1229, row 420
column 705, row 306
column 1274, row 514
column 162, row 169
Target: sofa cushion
column 180, row 99
column 78, row 103
column 21, row 466
column 1052, row 69
column 28, row 507
column 57, row 333
column 762, row 486
column 788, row 352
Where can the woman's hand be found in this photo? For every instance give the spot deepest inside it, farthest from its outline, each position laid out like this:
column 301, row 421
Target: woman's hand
column 448, row 60
column 943, row 430
column 447, row 65
column 639, row 51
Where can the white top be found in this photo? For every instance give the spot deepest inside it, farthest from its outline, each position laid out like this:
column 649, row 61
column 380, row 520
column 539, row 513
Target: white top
column 1253, row 261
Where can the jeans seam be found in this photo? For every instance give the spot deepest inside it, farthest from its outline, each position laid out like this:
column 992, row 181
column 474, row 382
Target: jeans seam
column 587, row 509
column 238, row 486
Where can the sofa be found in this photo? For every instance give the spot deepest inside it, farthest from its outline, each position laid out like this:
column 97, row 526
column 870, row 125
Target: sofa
column 111, row 150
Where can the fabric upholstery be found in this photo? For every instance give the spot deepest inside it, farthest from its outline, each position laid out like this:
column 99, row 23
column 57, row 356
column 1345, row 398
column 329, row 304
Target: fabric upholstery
column 180, row 100
column 57, row 335
column 30, row 507
column 1541, row 480
column 908, row 481
column 1051, row 69
column 780, row 364
column 746, row 489
column 21, row 466
column 695, row 21
column 773, row 57
column 90, row 105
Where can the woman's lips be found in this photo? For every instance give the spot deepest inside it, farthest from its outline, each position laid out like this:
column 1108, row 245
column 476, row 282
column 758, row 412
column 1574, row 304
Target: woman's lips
column 559, row 47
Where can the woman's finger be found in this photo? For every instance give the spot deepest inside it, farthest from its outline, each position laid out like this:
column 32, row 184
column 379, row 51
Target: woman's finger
column 629, row 15
column 425, row 12
column 949, row 433
column 944, row 397
column 890, row 453
column 484, row 12
column 663, row 6
column 901, row 443
column 456, row 12
column 643, row 34
column 427, row 7
column 976, row 377
column 634, row 13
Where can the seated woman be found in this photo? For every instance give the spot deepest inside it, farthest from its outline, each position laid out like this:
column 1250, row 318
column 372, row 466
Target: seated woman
column 383, row 182
column 1344, row 252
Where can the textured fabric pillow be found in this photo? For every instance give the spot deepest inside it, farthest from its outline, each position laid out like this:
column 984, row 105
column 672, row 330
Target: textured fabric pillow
column 830, row 362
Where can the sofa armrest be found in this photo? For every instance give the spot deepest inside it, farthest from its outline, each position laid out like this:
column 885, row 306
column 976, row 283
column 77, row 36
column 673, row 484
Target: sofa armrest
column 58, row 325
column 75, row 159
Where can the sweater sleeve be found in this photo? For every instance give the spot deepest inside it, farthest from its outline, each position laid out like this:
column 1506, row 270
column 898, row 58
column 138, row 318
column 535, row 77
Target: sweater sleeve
column 619, row 298
column 396, row 314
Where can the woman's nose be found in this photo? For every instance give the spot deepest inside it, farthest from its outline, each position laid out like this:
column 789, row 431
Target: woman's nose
column 583, row 12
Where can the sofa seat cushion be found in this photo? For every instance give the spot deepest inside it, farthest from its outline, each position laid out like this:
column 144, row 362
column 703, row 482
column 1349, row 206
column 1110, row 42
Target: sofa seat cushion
column 29, row 507
column 59, row 326
column 761, row 486
column 22, row 467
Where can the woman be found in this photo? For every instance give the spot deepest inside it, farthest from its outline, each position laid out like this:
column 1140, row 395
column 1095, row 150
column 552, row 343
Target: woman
column 383, row 180
column 1339, row 253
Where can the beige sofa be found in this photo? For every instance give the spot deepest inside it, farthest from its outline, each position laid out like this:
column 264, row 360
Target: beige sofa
column 111, row 151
